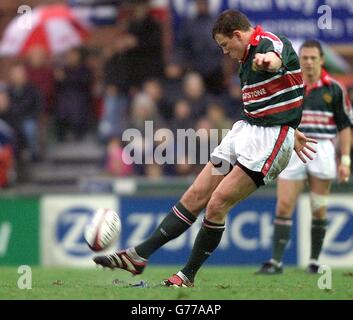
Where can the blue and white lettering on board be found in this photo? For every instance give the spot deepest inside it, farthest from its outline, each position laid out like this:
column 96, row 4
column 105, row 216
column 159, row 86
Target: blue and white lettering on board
column 63, row 219
column 337, row 250
column 339, row 237
column 246, row 240
column 69, row 230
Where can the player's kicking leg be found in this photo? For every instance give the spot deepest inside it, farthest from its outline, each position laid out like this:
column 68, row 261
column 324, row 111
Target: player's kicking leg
column 179, row 219
column 236, row 186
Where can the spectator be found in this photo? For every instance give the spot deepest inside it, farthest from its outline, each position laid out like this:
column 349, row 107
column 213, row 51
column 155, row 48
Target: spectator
column 26, row 104
column 154, row 89
column 144, row 59
column 182, row 116
column 6, row 140
column 73, row 110
column 172, row 84
column 4, row 103
column 114, row 162
column 194, row 92
column 115, row 68
column 116, row 90
column 41, row 74
column 218, row 119
column 144, row 109
column 198, row 50
column 6, row 154
column 232, row 99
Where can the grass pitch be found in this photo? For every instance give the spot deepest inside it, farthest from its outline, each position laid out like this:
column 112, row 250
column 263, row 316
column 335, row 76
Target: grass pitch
column 212, row 283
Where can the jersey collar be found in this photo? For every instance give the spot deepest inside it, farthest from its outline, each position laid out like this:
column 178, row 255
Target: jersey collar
column 323, row 81
column 325, row 77
column 254, row 41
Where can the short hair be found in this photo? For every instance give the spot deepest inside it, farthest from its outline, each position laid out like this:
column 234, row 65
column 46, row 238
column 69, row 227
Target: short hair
column 230, row 20
column 312, row 44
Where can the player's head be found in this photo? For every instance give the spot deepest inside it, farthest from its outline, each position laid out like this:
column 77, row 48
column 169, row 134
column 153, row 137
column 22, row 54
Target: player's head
column 232, row 32
column 311, row 58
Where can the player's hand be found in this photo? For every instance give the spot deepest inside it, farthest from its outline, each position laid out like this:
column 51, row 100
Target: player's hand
column 344, row 173
column 302, row 147
column 261, row 62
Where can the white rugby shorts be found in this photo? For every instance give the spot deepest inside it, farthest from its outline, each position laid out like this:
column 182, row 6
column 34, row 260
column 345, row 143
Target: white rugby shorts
column 323, row 166
column 266, row 150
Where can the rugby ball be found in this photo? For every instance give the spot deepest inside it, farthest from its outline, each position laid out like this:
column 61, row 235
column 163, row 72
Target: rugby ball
column 103, row 229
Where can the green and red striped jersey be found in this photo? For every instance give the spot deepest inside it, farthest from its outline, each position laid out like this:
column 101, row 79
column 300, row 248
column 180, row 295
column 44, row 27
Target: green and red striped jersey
column 326, row 108
column 271, row 98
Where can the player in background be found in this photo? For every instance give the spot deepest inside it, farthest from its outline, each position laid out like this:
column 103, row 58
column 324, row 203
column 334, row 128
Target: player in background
column 252, row 154
column 326, row 115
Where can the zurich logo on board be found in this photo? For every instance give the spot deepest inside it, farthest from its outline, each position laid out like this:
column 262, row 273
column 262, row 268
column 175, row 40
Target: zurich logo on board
column 69, row 230
column 339, row 235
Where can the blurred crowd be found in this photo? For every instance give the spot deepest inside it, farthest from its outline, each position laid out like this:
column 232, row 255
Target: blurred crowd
column 104, row 91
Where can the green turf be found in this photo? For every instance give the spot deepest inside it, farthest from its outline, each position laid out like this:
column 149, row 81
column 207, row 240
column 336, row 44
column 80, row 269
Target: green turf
column 212, row 283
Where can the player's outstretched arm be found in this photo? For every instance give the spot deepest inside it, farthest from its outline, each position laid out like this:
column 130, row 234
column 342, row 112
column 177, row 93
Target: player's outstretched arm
column 269, row 62
column 302, row 147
